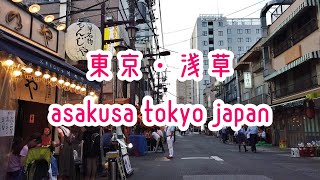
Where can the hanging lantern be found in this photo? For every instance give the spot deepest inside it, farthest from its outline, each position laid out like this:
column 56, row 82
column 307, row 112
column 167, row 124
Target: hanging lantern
column 77, row 89
column 46, row 77
column 83, row 90
column 90, row 42
column 60, row 83
column 53, row 80
column 8, row 63
column 309, row 109
column 37, row 75
column 73, row 86
column 66, row 85
column 17, row 74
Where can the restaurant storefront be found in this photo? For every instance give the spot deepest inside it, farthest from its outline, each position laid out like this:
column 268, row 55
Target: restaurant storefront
column 33, row 75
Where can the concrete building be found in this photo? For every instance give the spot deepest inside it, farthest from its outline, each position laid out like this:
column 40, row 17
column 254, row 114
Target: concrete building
column 184, row 92
column 291, row 56
column 217, row 32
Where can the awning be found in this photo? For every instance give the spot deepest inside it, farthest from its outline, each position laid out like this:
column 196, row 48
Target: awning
column 242, row 65
column 43, row 59
column 308, row 56
column 299, row 9
column 295, row 102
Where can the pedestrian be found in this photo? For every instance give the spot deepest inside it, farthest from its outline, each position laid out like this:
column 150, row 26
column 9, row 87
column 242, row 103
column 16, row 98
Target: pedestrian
column 155, row 140
column 18, row 155
column 252, row 133
column 66, row 158
column 170, row 140
column 161, row 138
column 241, row 138
column 91, row 151
column 262, row 135
column 224, row 134
column 46, row 137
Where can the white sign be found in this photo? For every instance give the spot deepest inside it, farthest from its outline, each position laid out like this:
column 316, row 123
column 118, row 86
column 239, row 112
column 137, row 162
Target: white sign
column 82, row 37
column 247, row 80
column 127, row 164
column 7, row 122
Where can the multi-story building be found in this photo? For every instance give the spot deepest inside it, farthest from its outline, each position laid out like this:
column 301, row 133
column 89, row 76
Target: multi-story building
column 184, row 92
column 218, row 32
column 291, row 56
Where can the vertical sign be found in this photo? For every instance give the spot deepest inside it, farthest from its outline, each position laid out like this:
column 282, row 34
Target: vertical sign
column 247, row 80
column 7, row 119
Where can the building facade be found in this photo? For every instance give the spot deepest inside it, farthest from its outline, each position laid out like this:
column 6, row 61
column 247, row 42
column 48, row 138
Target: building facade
column 184, row 92
column 218, row 32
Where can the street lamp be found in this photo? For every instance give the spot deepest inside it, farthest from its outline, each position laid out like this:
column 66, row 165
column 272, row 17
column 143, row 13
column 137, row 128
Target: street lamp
column 132, row 32
column 120, row 47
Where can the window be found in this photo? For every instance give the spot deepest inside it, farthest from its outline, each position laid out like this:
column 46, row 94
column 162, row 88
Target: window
column 240, row 40
column 210, row 23
column 245, row 96
column 248, row 31
column 211, row 48
column 258, row 31
column 204, row 33
column 210, row 31
column 220, row 33
column 248, row 47
column 240, row 48
column 229, row 40
column 230, row 48
column 220, row 43
column 220, row 24
column 204, row 24
column 205, row 62
column 210, row 40
column 239, row 31
column 205, row 72
column 206, row 82
column 229, row 31
column 248, row 39
column 205, row 52
column 259, row 90
column 205, row 43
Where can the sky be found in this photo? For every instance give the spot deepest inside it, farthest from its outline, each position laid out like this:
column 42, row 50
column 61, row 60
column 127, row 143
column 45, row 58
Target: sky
column 182, row 14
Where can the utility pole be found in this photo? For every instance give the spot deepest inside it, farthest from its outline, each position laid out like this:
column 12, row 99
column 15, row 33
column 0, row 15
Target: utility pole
column 158, row 88
column 132, row 46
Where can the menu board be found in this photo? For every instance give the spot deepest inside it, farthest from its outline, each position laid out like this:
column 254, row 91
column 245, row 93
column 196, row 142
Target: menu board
column 7, row 122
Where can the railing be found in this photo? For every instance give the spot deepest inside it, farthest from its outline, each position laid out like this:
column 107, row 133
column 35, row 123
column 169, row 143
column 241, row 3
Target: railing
column 260, row 99
column 258, row 67
column 299, row 35
column 298, row 86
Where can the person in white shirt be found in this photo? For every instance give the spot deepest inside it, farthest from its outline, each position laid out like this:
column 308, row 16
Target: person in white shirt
column 160, row 133
column 170, row 139
column 155, row 140
column 252, row 132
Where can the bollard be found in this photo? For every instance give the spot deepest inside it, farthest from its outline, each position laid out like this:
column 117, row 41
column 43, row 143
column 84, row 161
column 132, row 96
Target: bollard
column 113, row 169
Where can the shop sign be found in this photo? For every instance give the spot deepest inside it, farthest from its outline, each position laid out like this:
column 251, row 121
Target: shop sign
column 247, row 80
column 7, row 119
column 29, row 90
column 82, row 37
column 111, row 33
column 17, row 21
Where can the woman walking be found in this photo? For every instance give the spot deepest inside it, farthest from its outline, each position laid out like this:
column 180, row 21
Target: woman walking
column 241, row 138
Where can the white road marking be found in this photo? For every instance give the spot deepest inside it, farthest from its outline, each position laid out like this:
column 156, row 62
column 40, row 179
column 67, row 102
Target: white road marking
column 208, row 158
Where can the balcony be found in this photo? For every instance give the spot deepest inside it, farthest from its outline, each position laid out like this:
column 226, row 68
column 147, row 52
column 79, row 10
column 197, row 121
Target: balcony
column 299, row 35
column 299, row 85
column 258, row 67
column 260, row 99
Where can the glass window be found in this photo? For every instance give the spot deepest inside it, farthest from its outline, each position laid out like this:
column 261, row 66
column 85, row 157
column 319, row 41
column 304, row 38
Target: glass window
column 258, row 31
column 220, row 24
column 240, row 48
column 259, row 90
column 205, row 72
column 239, row 31
column 205, row 52
column 204, row 33
column 210, row 31
column 220, row 43
column 210, row 23
column 220, row 33
column 229, row 31
column 229, row 40
column 240, row 40
column 230, row 48
column 206, row 82
column 248, row 31
column 248, row 39
column 210, row 40
column 205, row 62
column 205, row 43
column 204, row 24
column 211, row 48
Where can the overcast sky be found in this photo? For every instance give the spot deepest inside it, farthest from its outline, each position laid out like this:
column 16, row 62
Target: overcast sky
column 182, row 14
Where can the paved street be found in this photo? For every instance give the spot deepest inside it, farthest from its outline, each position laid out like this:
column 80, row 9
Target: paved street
column 200, row 157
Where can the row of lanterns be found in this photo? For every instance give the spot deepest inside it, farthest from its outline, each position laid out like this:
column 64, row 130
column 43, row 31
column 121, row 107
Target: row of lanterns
column 35, row 8
column 49, row 78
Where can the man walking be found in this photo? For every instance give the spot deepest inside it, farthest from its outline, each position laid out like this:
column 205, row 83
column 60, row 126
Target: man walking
column 252, row 132
column 170, row 139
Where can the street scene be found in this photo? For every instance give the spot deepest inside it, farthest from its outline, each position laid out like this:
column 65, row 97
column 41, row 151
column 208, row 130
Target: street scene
column 159, row 89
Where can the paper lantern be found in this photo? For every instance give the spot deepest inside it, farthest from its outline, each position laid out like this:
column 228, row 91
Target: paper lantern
column 82, row 37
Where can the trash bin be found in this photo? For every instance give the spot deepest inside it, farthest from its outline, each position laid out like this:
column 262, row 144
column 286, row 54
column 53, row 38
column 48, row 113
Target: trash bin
column 295, row 152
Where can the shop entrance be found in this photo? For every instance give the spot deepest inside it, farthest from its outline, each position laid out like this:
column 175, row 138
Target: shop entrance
column 32, row 118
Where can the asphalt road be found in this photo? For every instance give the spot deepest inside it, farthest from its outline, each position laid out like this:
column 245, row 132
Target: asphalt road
column 200, row 157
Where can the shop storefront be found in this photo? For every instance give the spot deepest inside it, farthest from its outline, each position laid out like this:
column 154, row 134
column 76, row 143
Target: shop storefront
column 33, row 75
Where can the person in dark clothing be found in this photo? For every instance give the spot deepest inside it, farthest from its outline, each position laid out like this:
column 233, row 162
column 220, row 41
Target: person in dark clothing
column 91, row 151
column 106, row 138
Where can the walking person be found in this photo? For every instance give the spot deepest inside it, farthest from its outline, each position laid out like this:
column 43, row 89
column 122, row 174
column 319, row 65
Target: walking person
column 161, row 138
column 155, row 140
column 224, row 134
column 241, row 138
column 66, row 159
column 170, row 140
column 252, row 132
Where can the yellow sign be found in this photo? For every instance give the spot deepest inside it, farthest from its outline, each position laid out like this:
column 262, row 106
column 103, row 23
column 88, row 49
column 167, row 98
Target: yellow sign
column 111, row 33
